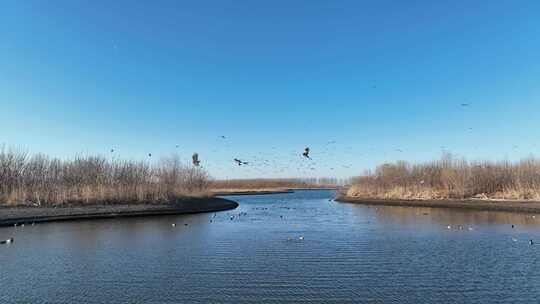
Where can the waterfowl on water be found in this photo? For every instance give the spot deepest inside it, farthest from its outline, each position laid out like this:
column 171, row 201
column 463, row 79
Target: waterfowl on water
column 531, row 242
column 8, row 241
column 301, row 238
column 174, row 225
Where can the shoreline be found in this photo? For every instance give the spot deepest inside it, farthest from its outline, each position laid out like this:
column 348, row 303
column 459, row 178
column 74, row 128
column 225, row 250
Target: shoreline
column 10, row 216
column 466, row 204
column 223, row 192
column 251, row 192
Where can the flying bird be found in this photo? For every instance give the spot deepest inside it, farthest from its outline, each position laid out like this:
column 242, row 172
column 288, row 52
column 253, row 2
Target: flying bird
column 306, row 153
column 149, row 154
column 195, row 158
column 239, row 162
column 465, row 104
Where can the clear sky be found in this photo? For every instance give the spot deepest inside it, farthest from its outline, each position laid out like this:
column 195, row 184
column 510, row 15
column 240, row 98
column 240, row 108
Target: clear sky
column 383, row 79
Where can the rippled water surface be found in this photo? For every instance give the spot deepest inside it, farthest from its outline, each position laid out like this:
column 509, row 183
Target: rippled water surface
column 349, row 254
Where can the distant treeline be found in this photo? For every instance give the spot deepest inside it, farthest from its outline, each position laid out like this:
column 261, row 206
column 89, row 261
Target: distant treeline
column 451, row 178
column 43, row 180
column 275, row 183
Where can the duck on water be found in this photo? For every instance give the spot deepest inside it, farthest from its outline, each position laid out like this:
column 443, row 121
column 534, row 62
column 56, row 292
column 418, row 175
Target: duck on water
column 8, row 241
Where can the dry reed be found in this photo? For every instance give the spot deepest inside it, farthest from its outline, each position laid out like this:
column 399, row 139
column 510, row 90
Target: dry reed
column 274, row 183
column 42, row 180
column 450, row 178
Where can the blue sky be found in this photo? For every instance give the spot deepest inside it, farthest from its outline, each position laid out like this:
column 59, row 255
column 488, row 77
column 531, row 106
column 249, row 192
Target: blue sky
column 273, row 77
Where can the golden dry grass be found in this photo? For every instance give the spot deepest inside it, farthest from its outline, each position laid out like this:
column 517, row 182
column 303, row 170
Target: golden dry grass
column 450, row 178
column 42, row 180
column 271, row 184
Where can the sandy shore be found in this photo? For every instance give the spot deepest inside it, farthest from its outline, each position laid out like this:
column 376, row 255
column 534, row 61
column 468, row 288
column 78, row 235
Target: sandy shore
column 19, row 215
column 471, row 204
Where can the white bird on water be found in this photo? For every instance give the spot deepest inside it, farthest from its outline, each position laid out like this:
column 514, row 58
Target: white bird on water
column 8, row 241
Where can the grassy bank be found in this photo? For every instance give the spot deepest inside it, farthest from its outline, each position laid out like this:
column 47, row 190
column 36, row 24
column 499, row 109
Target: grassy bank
column 450, row 178
column 223, row 192
column 269, row 185
column 40, row 180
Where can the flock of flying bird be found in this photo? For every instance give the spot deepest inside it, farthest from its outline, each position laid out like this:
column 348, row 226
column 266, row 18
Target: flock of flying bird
column 195, row 160
column 278, row 163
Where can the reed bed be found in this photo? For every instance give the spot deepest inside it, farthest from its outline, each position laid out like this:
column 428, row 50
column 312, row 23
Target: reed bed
column 274, row 183
column 450, row 178
column 41, row 180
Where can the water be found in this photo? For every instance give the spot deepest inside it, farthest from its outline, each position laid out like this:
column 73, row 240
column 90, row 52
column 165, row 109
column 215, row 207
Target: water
column 350, row 254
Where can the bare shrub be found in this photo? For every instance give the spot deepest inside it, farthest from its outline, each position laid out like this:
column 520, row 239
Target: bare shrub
column 41, row 180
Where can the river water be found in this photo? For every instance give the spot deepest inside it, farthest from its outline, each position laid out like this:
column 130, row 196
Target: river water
column 284, row 248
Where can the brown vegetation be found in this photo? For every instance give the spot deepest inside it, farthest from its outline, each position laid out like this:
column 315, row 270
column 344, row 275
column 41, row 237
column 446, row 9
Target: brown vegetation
column 262, row 184
column 450, row 178
column 42, row 180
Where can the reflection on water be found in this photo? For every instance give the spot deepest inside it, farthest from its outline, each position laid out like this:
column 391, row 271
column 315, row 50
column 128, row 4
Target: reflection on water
column 255, row 254
column 415, row 215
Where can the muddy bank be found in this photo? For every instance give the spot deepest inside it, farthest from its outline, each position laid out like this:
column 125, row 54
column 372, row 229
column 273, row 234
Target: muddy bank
column 19, row 215
column 470, row 204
